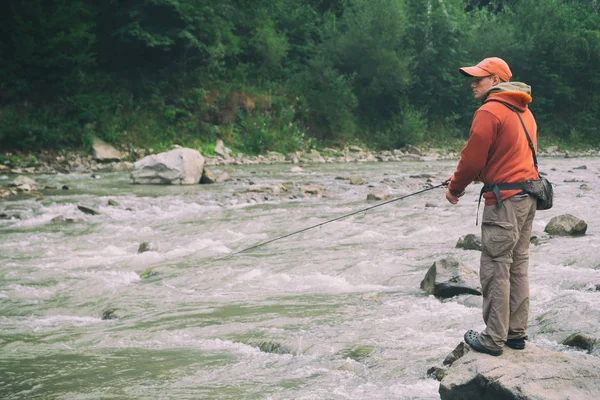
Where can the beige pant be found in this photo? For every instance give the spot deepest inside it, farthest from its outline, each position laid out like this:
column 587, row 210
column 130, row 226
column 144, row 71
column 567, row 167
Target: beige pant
column 505, row 235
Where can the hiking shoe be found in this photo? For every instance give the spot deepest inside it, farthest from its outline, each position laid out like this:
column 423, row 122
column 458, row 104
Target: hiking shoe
column 517, row 344
column 472, row 339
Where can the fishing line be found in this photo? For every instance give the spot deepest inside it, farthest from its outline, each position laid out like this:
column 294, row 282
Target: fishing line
column 331, row 220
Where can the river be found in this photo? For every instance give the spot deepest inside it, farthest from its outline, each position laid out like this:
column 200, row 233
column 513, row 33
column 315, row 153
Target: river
column 335, row 312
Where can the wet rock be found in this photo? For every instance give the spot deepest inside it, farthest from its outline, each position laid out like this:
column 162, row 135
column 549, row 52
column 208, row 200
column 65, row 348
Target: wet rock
column 110, row 313
column 582, row 341
column 208, row 177
column 358, row 180
column 581, row 167
column 437, row 373
column 146, row 246
column 113, row 203
column 469, row 242
column 58, row 220
column 566, row 225
column 313, row 189
column 530, row 374
column 430, row 205
column 64, row 187
column 24, row 183
column 449, row 277
column 378, row 195
column 88, row 210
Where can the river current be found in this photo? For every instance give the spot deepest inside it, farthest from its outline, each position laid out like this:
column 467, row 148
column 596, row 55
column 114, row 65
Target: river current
column 334, row 312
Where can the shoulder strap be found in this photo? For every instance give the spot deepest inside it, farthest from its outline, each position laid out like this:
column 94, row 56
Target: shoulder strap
column 531, row 147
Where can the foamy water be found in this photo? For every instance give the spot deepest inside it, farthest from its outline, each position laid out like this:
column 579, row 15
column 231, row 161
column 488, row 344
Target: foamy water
column 337, row 309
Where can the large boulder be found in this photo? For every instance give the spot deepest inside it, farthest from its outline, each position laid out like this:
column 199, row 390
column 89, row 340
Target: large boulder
column 530, row 374
column 104, row 152
column 449, row 277
column 566, row 225
column 175, row 167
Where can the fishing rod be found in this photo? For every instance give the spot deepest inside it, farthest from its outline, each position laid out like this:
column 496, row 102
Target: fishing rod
column 332, row 220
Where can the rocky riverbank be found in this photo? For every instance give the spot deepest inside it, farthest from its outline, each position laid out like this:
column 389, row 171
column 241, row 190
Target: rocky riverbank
column 105, row 158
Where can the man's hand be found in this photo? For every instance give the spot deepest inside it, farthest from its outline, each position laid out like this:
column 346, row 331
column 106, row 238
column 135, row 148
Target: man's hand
column 452, row 199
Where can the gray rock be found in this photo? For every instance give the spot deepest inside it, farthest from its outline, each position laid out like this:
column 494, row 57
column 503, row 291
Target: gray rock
column 88, row 210
column 566, row 225
column 530, row 374
column 358, row 180
column 449, row 277
column 469, row 242
column 208, row 177
column 377, row 195
column 176, row 167
column 103, row 152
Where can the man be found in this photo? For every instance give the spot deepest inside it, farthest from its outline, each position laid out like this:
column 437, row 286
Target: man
column 498, row 152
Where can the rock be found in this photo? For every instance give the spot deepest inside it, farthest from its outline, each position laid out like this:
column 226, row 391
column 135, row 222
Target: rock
column 437, row 373
column 110, row 313
column 296, row 169
column 449, row 277
column 377, row 195
column 64, row 187
column 58, row 220
column 176, row 167
column 104, row 152
column 457, row 353
column 358, row 180
column 223, row 177
column 113, row 203
column 581, row 167
column 146, row 246
column 24, row 183
column 530, row 374
column 222, row 150
column 566, row 225
column 552, row 149
column 430, row 205
column 208, row 177
column 581, row 341
column 88, row 210
column 469, row 242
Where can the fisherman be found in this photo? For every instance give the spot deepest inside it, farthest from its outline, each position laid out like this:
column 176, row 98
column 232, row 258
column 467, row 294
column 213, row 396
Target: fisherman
column 498, row 151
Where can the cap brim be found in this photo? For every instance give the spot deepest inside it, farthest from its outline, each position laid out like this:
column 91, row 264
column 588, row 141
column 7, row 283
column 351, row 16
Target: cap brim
column 474, row 71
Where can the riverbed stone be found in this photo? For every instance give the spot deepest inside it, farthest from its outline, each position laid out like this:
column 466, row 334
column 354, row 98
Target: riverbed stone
column 175, row 167
column 566, row 225
column 530, row 374
column 88, row 210
column 450, row 277
column 469, row 242
column 208, row 177
column 582, row 341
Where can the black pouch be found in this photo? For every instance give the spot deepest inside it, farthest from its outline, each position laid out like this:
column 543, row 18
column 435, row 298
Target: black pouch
column 542, row 190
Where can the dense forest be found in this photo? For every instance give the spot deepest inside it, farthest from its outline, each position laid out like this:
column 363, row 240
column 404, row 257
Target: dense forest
column 280, row 74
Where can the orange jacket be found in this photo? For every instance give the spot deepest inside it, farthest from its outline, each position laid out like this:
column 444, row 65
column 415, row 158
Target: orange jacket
column 497, row 150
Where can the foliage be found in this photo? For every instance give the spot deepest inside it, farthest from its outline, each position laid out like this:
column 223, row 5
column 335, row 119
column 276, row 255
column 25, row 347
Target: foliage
column 279, row 75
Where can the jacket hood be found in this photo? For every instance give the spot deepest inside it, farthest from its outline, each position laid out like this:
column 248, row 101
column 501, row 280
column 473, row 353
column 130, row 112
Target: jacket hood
column 516, row 93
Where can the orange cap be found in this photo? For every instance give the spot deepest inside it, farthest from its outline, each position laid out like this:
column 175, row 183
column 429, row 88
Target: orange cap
column 489, row 66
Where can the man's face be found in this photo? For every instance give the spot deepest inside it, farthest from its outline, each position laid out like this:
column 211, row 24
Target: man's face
column 481, row 85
